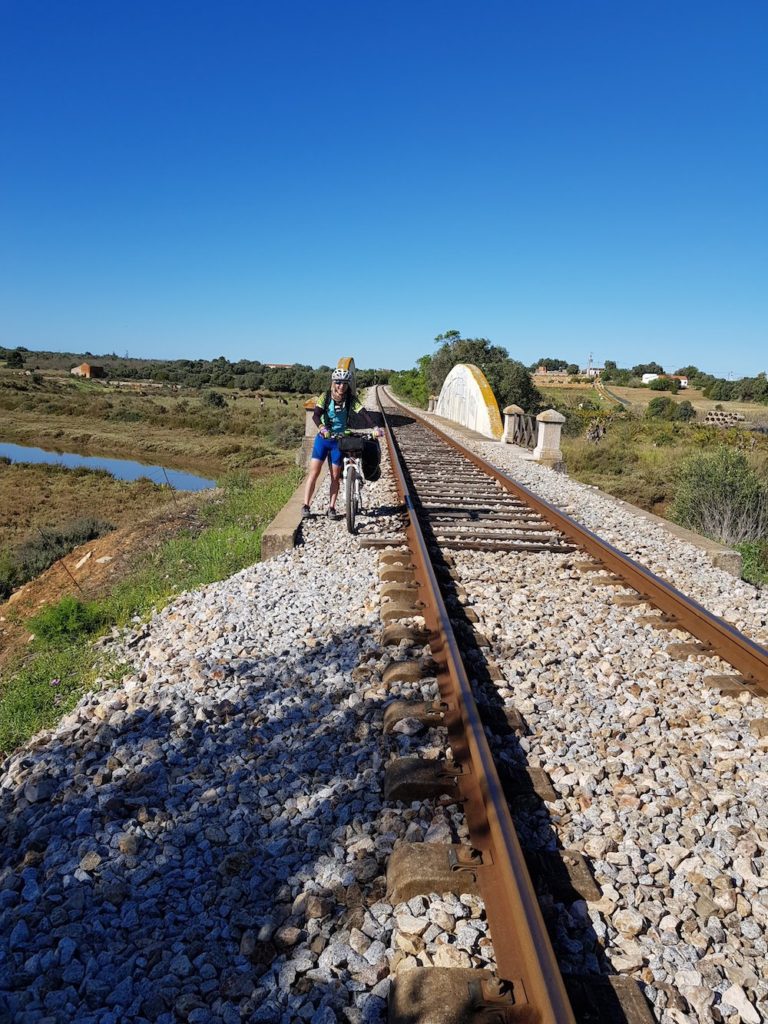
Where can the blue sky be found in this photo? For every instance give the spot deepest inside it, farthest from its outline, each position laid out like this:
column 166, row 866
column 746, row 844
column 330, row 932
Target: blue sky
column 304, row 180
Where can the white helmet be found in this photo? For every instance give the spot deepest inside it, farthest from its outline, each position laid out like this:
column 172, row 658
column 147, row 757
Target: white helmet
column 341, row 377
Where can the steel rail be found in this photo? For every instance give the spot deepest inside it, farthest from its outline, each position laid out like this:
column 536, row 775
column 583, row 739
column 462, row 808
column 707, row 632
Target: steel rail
column 745, row 655
column 524, row 954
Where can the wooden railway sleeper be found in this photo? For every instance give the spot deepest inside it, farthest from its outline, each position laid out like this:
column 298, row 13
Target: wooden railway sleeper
column 750, row 659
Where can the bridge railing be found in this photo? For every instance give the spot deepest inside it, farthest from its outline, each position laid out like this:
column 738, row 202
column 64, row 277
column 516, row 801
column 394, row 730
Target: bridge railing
column 520, row 428
column 538, row 434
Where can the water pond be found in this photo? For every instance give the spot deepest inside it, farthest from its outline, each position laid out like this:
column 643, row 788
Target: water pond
column 122, row 469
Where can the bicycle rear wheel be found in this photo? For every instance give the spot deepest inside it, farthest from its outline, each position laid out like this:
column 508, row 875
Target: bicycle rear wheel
column 350, row 496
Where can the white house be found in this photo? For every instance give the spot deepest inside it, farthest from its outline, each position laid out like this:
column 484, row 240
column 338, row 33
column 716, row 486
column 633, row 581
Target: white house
column 648, row 377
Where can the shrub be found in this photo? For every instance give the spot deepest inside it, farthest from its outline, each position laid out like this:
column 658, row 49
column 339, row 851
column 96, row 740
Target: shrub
column 665, row 408
column 664, row 384
column 410, row 385
column 661, row 408
column 754, row 561
column 721, row 496
column 602, row 459
column 237, row 480
column 215, row 399
column 286, row 431
column 126, row 416
column 67, row 620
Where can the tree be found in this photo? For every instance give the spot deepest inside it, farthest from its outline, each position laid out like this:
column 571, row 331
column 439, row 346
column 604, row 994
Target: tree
column 661, row 408
column 642, row 368
column 665, row 408
column 510, row 381
column 513, row 386
column 15, row 360
column 549, row 364
column 572, row 369
column 664, row 384
column 720, row 390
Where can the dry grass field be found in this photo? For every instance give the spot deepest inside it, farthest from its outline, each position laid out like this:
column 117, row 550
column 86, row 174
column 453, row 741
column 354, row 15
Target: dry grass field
column 574, row 395
column 637, row 399
column 179, row 429
column 39, row 497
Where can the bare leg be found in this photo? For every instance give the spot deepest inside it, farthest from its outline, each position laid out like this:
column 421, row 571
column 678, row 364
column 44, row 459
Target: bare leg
column 335, row 483
column 314, row 472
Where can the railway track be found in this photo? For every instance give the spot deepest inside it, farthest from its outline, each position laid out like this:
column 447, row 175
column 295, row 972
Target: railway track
column 461, row 509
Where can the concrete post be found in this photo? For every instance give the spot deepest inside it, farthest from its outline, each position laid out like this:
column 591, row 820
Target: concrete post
column 547, row 450
column 431, row 403
column 310, row 431
column 309, row 427
column 510, row 422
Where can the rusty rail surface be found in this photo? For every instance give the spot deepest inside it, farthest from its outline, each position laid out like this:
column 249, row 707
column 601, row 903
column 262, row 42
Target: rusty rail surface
column 724, row 640
column 524, row 953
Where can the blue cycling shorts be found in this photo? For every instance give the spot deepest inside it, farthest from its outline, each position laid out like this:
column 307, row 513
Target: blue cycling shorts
column 325, row 446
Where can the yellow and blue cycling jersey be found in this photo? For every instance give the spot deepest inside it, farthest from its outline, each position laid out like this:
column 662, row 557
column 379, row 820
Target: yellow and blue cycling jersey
column 336, row 416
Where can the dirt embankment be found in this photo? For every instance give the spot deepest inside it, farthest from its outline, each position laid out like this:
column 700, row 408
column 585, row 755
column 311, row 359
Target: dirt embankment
column 94, row 568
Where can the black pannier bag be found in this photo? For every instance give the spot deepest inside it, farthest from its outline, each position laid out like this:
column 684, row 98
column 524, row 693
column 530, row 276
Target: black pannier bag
column 371, row 460
column 370, row 450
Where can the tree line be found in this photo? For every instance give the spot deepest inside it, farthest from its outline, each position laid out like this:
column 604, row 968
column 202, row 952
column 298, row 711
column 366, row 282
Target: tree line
column 745, row 389
column 245, row 374
column 509, row 378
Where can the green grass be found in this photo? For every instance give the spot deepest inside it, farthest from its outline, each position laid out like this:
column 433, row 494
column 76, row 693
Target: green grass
column 754, row 566
column 43, row 690
column 584, row 397
column 641, row 460
column 63, row 665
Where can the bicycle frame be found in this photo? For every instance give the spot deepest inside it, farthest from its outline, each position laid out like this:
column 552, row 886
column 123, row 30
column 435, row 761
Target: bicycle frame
column 352, row 479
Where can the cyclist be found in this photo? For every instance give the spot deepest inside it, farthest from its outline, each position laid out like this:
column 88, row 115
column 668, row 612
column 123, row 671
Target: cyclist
column 333, row 412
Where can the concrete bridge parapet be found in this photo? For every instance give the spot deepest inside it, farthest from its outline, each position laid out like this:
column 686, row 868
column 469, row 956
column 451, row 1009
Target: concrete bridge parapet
column 547, row 450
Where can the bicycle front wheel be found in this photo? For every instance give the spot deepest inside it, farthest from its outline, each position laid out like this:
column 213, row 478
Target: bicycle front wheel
column 349, row 497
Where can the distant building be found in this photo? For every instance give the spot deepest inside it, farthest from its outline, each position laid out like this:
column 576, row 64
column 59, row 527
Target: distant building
column 592, row 371
column 279, row 366
column 682, row 382
column 88, row 370
column 550, row 376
